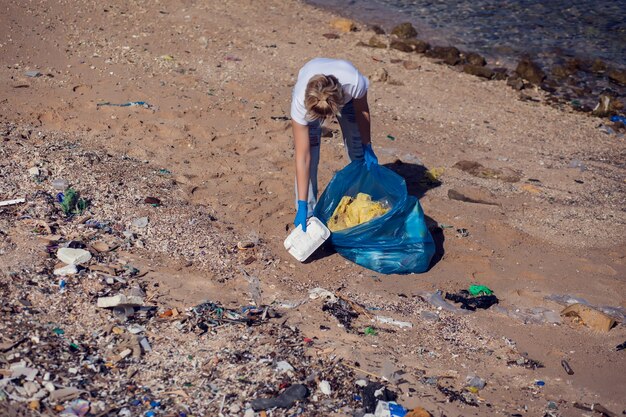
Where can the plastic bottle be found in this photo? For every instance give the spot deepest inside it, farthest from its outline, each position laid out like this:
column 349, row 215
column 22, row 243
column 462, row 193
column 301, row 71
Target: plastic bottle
column 60, row 184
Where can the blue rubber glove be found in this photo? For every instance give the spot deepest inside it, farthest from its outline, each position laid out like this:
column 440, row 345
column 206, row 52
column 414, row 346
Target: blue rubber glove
column 301, row 215
column 369, row 156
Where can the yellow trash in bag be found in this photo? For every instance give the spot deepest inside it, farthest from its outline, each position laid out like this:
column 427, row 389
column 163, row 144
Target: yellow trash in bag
column 352, row 212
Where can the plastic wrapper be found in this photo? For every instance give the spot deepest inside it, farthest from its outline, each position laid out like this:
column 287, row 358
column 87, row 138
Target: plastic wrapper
column 398, row 242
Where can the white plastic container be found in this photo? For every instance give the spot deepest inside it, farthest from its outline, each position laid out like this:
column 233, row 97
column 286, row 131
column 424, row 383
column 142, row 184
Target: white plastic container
column 302, row 244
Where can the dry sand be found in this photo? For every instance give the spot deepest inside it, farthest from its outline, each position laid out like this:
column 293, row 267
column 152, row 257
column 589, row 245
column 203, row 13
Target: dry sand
column 218, row 76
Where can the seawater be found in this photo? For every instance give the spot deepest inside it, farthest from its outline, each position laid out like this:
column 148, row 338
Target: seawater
column 547, row 31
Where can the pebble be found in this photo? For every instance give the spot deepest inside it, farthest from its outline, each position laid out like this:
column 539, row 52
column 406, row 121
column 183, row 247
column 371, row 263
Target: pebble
column 324, row 386
column 34, row 171
column 140, row 222
column 71, row 256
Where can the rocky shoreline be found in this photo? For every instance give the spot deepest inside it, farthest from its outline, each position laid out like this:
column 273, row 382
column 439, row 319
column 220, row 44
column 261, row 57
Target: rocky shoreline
column 576, row 84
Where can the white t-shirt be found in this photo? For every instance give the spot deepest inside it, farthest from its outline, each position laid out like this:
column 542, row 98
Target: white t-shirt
column 353, row 82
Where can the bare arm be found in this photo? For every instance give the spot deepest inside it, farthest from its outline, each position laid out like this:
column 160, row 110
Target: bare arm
column 362, row 113
column 303, row 159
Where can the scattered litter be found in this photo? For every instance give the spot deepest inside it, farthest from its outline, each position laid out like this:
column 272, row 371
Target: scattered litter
column 325, row 388
column 567, row 368
column 452, row 395
column 284, row 366
column 370, row 331
column 475, row 382
column 342, row 311
column 469, row 302
column 589, row 316
column 390, row 137
column 462, row 233
column 476, row 290
column 374, row 392
column 621, row 346
column 393, row 322
column 71, row 256
column 436, row 299
column 319, row 292
column 72, row 203
column 595, row 407
column 32, row 74
column 12, row 202
column 389, row 409
column 618, row 119
column 128, row 104
column 119, row 301
column 575, row 163
column 286, row 399
column 527, row 363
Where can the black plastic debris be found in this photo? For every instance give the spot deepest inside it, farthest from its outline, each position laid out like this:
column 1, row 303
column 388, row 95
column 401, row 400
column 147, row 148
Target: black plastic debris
column 342, row 312
column 374, row 392
column 286, row 399
column 469, row 302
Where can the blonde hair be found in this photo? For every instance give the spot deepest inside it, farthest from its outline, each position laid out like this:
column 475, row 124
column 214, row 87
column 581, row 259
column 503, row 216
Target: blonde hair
column 323, row 97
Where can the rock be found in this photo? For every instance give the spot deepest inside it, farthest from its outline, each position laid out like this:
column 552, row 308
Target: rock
column 418, row 412
column 33, row 172
column 478, row 170
column 418, row 45
column 473, row 195
column 549, row 85
column 71, row 256
column 562, row 72
column 401, row 45
column 404, row 31
column 234, row 409
column 66, row 270
column 140, row 222
column 376, row 42
column 377, row 30
column 381, row 75
column 449, row 54
column 100, row 246
column 474, row 58
column 410, row 65
column 530, row 71
column 515, row 82
column 324, row 386
column 598, row 66
column 500, row 73
column 606, row 105
column 618, row 76
column 478, row 71
column 330, row 35
column 343, row 25
column 287, row 399
column 590, row 317
column 118, row 301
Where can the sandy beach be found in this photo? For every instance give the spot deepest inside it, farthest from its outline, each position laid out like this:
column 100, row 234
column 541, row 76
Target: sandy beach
column 213, row 145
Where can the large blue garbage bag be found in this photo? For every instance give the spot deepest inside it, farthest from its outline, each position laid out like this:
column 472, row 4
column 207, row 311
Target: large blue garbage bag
column 396, row 243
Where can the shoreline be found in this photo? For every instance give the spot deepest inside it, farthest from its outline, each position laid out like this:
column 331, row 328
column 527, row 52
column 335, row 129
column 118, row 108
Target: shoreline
column 191, row 196
column 571, row 79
